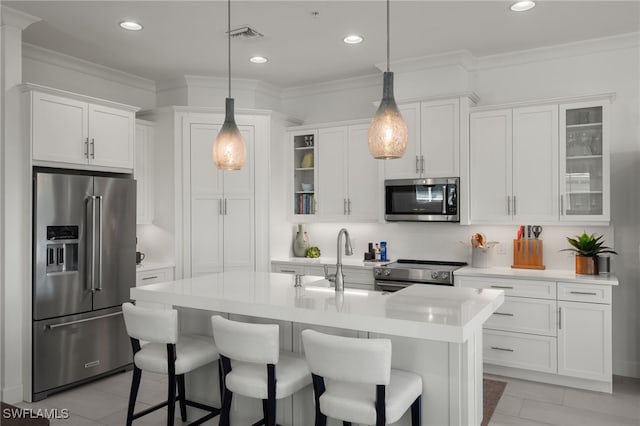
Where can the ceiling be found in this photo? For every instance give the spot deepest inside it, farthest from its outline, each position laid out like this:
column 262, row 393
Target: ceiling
column 188, row 37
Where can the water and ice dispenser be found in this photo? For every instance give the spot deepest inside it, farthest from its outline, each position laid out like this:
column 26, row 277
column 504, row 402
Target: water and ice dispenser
column 62, row 248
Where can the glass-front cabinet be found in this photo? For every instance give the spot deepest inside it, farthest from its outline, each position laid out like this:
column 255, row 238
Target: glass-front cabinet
column 304, row 173
column 584, row 161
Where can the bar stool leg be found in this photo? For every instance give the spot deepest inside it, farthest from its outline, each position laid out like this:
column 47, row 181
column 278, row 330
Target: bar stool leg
column 227, row 396
column 171, row 384
column 133, row 395
column 182, row 398
column 346, row 423
column 416, row 411
column 271, row 393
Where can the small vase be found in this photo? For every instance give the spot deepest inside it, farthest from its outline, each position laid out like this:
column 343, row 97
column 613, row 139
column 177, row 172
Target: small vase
column 586, row 265
column 299, row 243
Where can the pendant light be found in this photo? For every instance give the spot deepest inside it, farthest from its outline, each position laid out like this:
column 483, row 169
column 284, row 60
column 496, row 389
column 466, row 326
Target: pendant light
column 229, row 151
column 388, row 133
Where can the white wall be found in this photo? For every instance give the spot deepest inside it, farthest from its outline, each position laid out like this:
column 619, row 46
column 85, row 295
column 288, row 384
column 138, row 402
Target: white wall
column 593, row 67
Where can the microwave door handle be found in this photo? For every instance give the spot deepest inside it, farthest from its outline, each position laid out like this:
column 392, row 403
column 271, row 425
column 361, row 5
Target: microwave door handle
column 445, row 198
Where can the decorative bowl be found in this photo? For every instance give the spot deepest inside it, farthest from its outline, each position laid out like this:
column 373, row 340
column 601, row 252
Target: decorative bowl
column 307, row 187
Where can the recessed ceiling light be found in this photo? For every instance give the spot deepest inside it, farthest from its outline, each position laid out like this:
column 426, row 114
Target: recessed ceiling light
column 258, row 59
column 130, row 25
column 523, row 5
column 353, row 39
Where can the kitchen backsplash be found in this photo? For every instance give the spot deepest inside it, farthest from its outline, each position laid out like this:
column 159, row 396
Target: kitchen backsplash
column 438, row 241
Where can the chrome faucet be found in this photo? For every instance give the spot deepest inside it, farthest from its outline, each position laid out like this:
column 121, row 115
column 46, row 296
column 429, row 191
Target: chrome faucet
column 338, row 277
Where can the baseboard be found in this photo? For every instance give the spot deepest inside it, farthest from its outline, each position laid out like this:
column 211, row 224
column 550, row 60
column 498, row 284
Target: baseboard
column 553, row 379
column 626, row 368
column 12, row 395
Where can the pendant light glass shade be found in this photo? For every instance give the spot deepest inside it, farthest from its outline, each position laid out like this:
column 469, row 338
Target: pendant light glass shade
column 229, row 151
column 388, row 134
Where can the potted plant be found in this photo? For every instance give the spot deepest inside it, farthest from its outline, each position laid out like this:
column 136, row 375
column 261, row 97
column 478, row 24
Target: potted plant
column 587, row 248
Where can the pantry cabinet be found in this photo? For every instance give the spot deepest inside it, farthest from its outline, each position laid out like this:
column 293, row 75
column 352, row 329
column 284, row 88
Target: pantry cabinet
column 80, row 132
column 143, row 171
column 514, row 165
column 552, row 331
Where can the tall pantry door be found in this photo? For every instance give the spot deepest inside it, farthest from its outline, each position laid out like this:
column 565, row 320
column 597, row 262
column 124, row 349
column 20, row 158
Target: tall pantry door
column 222, row 229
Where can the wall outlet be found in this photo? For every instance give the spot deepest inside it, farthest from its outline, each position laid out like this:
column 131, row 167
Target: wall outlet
column 501, row 250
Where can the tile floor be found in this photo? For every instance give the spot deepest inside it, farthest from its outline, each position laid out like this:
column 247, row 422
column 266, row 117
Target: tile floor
column 104, row 403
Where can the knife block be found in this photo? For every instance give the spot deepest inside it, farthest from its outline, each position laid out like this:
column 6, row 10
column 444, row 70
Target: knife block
column 527, row 254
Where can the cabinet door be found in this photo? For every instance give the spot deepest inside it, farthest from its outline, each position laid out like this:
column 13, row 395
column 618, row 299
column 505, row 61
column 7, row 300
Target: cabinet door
column 143, row 173
column 238, row 182
column 535, row 164
column 207, row 220
column 362, row 180
column 59, row 129
column 584, row 340
column 205, row 176
column 239, row 247
column 303, row 179
column 490, row 164
column 111, row 134
column 409, row 165
column 332, row 175
column 584, row 162
column 440, row 137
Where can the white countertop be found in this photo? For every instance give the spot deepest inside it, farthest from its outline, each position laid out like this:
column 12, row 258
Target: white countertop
column 535, row 274
column 323, row 260
column 426, row 312
column 150, row 266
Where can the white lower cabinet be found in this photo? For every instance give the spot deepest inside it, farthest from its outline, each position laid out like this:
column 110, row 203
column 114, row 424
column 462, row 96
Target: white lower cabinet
column 152, row 276
column 562, row 329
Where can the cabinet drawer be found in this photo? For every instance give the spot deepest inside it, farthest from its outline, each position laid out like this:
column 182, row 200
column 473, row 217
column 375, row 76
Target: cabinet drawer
column 358, row 275
column 524, row 315
column 287, row 268
column 584, row 293
column 513, row 287
column 530, row 352
column 317, row 270
column 153, row 276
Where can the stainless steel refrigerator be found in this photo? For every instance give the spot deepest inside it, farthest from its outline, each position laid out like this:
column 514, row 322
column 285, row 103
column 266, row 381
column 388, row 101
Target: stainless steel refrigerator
column 84, row 237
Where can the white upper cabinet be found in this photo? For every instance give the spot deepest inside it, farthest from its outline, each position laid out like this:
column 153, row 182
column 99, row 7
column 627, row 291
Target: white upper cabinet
column 332, row 173
column 81, row 132
column 434, row 140
column 490, row 151
column 584, row 165
column 143, row 171
column 514, row 165
column 363, row 189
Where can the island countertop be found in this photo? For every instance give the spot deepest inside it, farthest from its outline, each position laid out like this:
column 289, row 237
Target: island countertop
column 439, row 313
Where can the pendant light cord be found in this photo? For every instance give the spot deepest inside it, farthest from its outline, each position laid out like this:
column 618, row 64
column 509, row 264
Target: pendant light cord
column 229, row 40
column 388, row 36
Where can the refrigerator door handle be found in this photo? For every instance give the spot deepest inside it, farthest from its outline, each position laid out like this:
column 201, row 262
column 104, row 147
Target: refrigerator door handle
column 63, row 324
column 91, row 200
column 99, row 245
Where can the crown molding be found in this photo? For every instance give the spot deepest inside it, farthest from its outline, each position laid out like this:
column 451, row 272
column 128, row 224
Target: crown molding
column 52, row 57
column 238, row 83
column 16, row 18
column 579, row 48
column 462, row 58
column 366, row 81
column 26, row 87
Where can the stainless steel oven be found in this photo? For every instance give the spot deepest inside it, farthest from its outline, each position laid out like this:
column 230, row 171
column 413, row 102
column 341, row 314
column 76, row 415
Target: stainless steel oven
column 405, row 272
column 422, row 200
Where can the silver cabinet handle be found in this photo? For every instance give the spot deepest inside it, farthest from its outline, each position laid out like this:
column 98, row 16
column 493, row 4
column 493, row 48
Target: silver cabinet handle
column 93, row 148
column 561, row 205
column 417, row 164
column 99, row 288
column 502, row 286
column 287, row 271
column 86, row 148
column 514, row 205
column 344, row 206
column 349, row 206
column 220, row 206
column 225, row 206
column 63, row 324
column 498, row 348
column 508, row 205
column 150, row 278
column 422, row 164
column 503, row 314
column 586, row 293
column 560, row 318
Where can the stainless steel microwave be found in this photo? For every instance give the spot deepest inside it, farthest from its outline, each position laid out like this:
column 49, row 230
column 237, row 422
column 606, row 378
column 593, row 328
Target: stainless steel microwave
column 421, row 200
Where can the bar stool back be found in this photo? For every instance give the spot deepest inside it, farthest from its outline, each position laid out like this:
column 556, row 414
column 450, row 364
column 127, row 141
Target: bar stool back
column 254, row 366
column 166, row 352
column 353, row 381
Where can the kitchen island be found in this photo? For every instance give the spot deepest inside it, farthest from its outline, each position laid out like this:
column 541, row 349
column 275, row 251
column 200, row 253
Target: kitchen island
column 436, row 332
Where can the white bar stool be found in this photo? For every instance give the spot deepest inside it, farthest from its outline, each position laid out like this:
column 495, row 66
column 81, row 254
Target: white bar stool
column 351, row 366
column 254, row 366
column 166, row 353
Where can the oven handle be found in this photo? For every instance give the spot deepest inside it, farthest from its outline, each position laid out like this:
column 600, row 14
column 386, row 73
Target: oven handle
column 390, row 286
